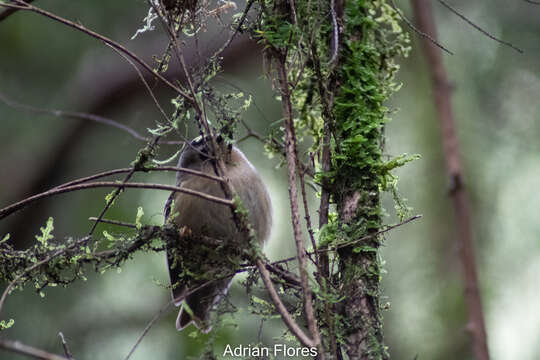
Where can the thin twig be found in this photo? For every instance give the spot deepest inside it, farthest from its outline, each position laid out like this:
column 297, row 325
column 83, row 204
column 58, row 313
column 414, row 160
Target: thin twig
column 335, row 34
column 82, row 116
column 113, row 222
column 126, row 170
column 65, row 346
column 418, row 31
column 291, row 155
column 20, row 348
column 156, row 317
column 26, row 6
column 55, row 191
column 10, row 11
column 352, row 242
column 240, row 23
column 452, row 9
column 287, row 318
column 148, row 88
column 72, row 114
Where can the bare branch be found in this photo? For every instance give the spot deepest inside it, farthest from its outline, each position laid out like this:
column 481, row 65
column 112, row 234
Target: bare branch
column 10, row 11
column 28, row 7
column 113, row 222
column 291, row 155
column 156, row 317
column 148, row 88
column 449, row 7
column 287, row 318
column 20, row 348
column 72, row 114
column 442, row 97
column 126, row 170
column 55, row 191
column 416, row 30
column 65, row 346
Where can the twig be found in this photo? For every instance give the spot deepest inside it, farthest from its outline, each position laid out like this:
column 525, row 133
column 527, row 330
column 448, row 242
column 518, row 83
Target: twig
column 449, row 7
column 26, row 6
column 10, row 11
column 442, row 96
column 335, row 33
column 150, row 91
column 113, row 222
column 80, row 115
column 65, row 346
column 156, row 317
column 55, row 191
column 418, row 31
column 291, row 155
column 287, row 318
column 72, row 114
column 240, row 23
column 126, row 170
column 349, row 243
column 20, row 348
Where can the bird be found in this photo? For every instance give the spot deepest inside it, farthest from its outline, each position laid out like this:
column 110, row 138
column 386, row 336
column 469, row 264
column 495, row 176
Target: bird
column 197, row 218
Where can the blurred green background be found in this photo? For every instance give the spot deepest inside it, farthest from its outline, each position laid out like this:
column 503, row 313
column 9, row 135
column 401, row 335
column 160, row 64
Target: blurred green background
column 45, row 64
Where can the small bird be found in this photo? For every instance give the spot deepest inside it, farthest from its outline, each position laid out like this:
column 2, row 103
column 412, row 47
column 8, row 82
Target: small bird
column 199, row 217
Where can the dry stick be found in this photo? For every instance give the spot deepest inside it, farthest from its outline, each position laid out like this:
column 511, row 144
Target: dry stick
column 20, row 348
column 240, row 23
column 449, row 7
column 307, row 217
column 65, row 346
column 150, row 91
column 349, row 243
column 442, row 93
column 287, row 318
column 156, row 317
column 290, row 148
column 126, row 170
column 10, row 11
column 72, row 114
column 113, row 222
column 418, row 31
column 80, row 115
column 59, row 252
column 55, row 191
column 26, row 6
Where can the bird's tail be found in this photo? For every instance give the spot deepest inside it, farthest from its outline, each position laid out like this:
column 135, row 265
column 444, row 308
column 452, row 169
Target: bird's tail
column 197, row 306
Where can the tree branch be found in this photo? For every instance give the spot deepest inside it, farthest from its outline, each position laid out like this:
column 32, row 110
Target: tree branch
column 442, row 93
column 287, row 318
column 20, row 348
column 291, row 155
column 55, row 191
column 65, row 346
column 449, row 7
column 28, row 7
